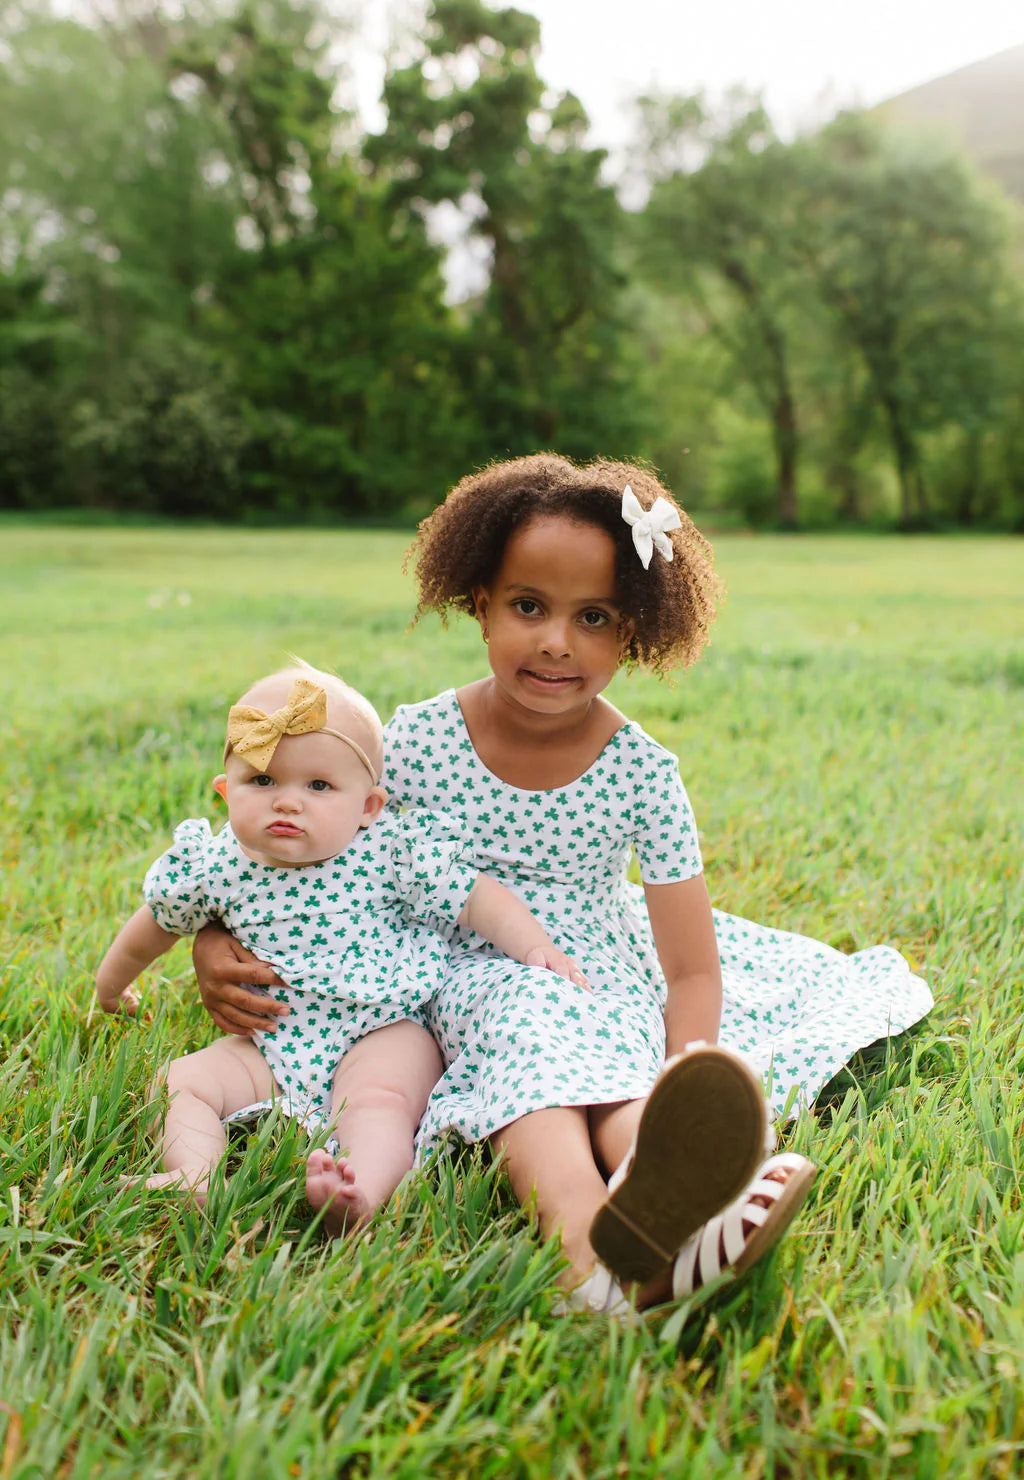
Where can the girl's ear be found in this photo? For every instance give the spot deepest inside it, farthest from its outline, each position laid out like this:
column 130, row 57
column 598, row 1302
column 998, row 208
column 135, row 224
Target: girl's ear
column 627, row 632
column 376, row 800
column 220, row 786
column 481, row 604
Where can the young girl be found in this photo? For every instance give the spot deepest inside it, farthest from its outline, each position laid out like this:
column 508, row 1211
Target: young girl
column 571, row 572
column 312, row 876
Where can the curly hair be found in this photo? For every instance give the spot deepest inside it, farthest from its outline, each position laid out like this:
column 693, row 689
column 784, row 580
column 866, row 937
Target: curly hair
column 461, row 545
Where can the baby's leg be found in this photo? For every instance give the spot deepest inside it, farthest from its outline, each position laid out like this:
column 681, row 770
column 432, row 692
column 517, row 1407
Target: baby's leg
column 381, row 1089
column 204, row 1087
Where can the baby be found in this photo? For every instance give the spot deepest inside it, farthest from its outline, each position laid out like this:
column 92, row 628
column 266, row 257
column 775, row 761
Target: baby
column 345, row 900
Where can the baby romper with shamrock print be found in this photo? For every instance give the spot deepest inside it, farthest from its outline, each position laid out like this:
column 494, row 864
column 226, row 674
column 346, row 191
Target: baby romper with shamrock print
column 354, row 937
column 516, row 1039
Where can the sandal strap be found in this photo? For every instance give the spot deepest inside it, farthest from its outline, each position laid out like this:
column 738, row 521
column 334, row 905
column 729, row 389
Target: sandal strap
column 600, row 1293
column 700, row 1259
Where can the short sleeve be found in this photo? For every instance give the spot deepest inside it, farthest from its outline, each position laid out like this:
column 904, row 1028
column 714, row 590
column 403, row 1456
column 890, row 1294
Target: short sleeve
column 667, row 848
column 433, row 871
column 175, row 885
column 401, row 762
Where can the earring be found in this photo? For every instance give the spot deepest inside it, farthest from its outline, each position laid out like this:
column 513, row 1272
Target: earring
column 485, row 634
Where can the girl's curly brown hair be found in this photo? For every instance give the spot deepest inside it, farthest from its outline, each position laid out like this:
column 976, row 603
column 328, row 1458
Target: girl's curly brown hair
column 461, row 544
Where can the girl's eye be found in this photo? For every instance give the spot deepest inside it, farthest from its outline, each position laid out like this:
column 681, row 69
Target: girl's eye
column 319, row 786
column 595, row 619
column 526, row 606
column 261, row 780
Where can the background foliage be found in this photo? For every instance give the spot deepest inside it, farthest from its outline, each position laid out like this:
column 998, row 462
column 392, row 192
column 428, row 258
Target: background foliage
column 219, row 298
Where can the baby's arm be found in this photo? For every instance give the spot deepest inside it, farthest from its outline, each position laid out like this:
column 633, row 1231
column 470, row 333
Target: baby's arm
column 137, row 945
column 495, row 913
column 684, row 935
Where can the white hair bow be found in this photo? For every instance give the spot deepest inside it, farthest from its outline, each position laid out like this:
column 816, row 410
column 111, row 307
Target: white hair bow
column 650, row 526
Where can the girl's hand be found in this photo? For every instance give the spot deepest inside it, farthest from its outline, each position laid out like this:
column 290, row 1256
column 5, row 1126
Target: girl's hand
column 552, row 959
column 225, row 971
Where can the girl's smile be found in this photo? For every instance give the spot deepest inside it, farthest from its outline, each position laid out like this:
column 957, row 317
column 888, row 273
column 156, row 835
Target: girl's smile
column 551, row 616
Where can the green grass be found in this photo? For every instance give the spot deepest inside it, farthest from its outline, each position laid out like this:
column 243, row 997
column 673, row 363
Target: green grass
column 852, row 743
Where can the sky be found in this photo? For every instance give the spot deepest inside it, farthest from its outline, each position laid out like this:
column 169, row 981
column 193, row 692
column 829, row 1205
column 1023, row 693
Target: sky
column 807, row 57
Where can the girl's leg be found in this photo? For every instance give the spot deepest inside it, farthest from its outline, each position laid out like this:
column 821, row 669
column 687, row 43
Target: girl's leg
column 203, row 1088
column 381, row 1089
column 549, row 1158
column 613, row 1130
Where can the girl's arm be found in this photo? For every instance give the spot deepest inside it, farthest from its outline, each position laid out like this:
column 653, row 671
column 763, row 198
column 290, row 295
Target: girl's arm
column 495, row 913
column 684, row 935
column 137, row 946
column 225, row 971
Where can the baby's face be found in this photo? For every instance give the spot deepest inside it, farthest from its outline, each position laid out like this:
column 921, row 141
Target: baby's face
column 306, row 807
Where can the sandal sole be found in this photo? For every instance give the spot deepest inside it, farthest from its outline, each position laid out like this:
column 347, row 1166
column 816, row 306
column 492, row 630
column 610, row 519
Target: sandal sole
column 699, row 1142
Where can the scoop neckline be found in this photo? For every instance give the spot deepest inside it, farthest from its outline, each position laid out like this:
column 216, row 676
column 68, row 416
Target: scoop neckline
column 529, row 791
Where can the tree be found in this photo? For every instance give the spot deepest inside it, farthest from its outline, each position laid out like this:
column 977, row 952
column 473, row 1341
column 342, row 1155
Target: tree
column 333, row 311
column 469, row 123
column 717, row 228
column 907, row 250
column 191, row 248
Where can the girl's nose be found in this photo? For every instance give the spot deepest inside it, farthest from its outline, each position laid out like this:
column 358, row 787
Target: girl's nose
column 555, row 640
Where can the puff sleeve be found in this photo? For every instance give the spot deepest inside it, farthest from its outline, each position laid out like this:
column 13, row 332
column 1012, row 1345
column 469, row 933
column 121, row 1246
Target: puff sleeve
column 175, row 885
column 433, row 870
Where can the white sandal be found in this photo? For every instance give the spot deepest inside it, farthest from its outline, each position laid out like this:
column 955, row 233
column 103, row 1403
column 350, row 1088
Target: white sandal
column 700, row 1259
column 701, row 1138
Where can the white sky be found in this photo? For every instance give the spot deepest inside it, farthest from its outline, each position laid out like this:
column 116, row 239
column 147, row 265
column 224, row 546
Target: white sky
column 806, row 56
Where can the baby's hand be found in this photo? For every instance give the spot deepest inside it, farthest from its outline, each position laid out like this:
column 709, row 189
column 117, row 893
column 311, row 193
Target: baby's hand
column 128, row 1002
column 552, row 959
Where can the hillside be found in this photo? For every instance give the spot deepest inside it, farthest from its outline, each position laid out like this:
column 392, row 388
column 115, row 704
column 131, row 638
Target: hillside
column 982, row 105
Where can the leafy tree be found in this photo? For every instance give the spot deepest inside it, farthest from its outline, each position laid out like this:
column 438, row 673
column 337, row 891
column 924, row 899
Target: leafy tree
column 470, row 123
column 113, row 228
column 333, row 311
column 191, row 249
column 717, row 228
column 907, row 250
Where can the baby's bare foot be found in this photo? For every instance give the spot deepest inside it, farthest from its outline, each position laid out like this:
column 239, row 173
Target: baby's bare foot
column 332, row 1185
column 196, row 1186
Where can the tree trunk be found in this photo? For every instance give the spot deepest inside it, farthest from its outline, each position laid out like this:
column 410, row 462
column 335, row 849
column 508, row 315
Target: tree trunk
column 779, row 393
column 786, row 442
column 911, row 490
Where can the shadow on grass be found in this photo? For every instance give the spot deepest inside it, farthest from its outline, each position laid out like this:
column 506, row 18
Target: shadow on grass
column 888, row 1064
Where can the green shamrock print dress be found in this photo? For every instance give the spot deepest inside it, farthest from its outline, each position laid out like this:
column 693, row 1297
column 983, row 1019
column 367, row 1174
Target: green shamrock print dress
column 355, row 937
column 517, row 1039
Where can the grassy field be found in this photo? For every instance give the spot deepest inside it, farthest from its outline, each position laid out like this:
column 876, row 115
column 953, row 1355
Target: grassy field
column 852, row 744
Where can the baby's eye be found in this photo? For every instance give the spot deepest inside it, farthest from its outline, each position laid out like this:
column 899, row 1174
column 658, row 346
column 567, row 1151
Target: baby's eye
column 526, row 606
column 595, row 619
column 319, row 786
column 260, row 780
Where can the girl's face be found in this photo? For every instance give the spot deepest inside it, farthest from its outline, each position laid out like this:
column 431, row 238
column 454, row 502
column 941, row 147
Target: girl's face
column 306, row 807
column 551, row 616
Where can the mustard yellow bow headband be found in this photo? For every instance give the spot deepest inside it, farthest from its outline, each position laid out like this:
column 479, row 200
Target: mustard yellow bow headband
column 254, row 735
